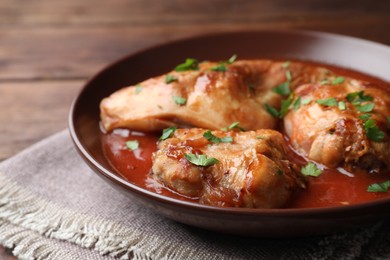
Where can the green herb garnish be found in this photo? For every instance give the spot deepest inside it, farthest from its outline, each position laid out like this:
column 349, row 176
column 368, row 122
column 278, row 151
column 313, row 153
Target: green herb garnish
column 220, row 67
column 168, row 132
column 288, row 75
column 215, row 139
column 279, row 172
column 329, row 102
column 200, row 160
column 286, row 103
column 235, row 125
column 365, row 117
column 341, row 105
column 189, row 64
column 179, row 100
column 323, row 82
column 311, row 169
column 132, row 145
column 297, row 103
column 272, row 111
column 372, row 131
column 170, row 79
column 358, row 97
column 286, row 64
column 379, row 187
column 138, row 89
column 338, row 80
column 282, row 89
column 365, row 108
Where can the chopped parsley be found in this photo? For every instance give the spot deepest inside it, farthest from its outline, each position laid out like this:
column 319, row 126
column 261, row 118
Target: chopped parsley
column 286, row 103
column 222, row 65
column 372, row 131
column 168, row 132
column 323, row 82
column 271, row 110
column 189, row 64
column 260, row 137
column 365, row 117
column 235, row 125
column 138, row 89
column 219, row 67
column 132, row 145
column 170, row 79
column 280, row 172
column 338, row 80
column 286, row 64
column 341, row 105
column 310, row 169
column 329, row 102
column 297, row 103
column 215, row 139
column 288, row 75
column 179, row 100
column 358, row 97
column 282, row 89
column 379, row 187
column 200, row 160
column 365, row 107
column 232, row 59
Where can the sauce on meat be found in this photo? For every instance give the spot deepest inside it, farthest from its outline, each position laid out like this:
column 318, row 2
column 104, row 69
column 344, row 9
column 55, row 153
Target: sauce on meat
column 331, row 188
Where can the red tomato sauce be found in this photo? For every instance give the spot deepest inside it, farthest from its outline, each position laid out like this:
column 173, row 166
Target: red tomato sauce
column 332, row 188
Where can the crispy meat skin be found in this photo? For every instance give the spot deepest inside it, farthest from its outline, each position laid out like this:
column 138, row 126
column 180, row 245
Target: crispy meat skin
column 214, row 99
column 336, row 137
column 252, row 171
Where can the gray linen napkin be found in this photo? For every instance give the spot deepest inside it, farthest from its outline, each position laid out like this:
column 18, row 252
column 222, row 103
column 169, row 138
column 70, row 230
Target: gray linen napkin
column 52, row 206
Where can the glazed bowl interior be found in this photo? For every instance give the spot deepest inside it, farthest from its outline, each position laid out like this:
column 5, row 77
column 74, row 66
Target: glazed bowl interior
column 359, row 55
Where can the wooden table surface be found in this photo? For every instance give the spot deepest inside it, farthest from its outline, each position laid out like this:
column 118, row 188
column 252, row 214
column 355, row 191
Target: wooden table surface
column 48, row 49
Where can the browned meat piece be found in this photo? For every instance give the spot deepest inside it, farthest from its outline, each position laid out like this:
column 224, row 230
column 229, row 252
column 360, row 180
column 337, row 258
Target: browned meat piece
column 252, row 171
column 210, row 99
column 350, row 128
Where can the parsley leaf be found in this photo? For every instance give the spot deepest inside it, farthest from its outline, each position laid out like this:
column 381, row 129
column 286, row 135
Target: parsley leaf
column 220, row 67
column 388, row 120
column 372, row 131
column 179, row 100
column 189, row 64
column 138, row 89
column 286, row 103
column 297, row 103
column 323, row 82
column 271, row 110
column 132, row 145
column 282, row 89
column 358, row 97
column 365, row 108
column 280, row 172
column 288, row 75
column 168, row 132
column 232, row 59
column 233, row 126
column 341, row 105
column 215, row 139
column 329, row 102
column 170, row 79
column 311, row 170
column 338, row 80
column 379, row 187
column 286, row 64
column 365, row 117
column 200, row 160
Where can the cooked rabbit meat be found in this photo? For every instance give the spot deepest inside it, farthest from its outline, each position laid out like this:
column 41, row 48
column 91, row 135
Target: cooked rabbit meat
column 345, row 124
column 205, row 97
column 252, row 170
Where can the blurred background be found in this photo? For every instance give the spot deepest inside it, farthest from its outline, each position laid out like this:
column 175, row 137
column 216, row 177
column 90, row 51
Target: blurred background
column 48, row 48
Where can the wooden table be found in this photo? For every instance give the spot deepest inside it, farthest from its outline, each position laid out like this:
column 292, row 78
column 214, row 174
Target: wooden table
column 49, row 48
